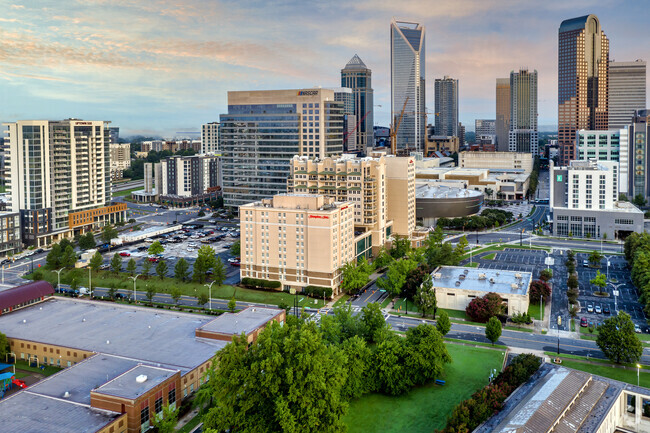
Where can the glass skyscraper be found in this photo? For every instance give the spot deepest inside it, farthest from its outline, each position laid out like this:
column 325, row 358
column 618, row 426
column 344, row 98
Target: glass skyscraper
column 407, row 62
column 358, row 77
column 523, row 136
column 446, row 90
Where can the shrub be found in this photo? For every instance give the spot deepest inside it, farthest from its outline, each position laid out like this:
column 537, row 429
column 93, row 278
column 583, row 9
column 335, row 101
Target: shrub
column 317, row 291
column 546, row 274
column 539, row 289
column 257, row 283
column 521, row 318
column 481, row 309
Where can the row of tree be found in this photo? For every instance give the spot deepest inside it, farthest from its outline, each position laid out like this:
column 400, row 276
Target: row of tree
column 637, row 254
column 488, row 219
column 301, row 376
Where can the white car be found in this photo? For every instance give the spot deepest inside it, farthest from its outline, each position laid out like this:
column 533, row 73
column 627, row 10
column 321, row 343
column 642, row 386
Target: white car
column 590, row 308
column 190, row 249
column 637, row 328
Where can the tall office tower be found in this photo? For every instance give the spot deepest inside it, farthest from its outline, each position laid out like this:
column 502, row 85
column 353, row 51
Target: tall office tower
column 446, row 90
column 523, row 134
column 461, row 134
column 59, row 178
column 114, row 134
column 485, row 127
column 407, row 61
column 503, row 114
column 264, row 129
column 210, row 137
column 627, row 91
column 583, row 63
column 358, row 77
column 350, row 127
column 636, row 136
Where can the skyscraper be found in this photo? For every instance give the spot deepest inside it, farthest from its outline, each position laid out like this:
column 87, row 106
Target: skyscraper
column 627, row 91
column 583, row 63
column 210, row 137
column 350, row 129
column 523, row 135
column 358, row 77
column 446, row 90
column 503, row 113
column 407, row 61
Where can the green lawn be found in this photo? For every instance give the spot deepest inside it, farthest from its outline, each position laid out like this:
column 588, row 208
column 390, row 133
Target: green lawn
column 490, row 256
column 386, row 301
column 405, row 306
column 624, row 375
column 122, row 281
column 471, row 265
column 458, row 314
column 48, row 371
column 187, row 428
column 517, row 328
column 342, row 300
column 126, row 192
column 426, row 408
column 534, row 311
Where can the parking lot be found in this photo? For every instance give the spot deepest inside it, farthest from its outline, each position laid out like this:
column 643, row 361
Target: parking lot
column 183, row 244
column 513, row 259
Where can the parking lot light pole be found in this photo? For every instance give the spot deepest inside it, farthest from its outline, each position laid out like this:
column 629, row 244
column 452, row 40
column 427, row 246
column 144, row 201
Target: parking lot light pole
column 135, row 299
column 58, row 278
column 209, row 286
column 638, row 369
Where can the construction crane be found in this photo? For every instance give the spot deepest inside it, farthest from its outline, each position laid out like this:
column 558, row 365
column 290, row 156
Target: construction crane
column 395, row 128
column 347, row 134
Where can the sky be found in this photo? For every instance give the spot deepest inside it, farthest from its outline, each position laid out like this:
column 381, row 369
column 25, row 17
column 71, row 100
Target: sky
column 160, row 67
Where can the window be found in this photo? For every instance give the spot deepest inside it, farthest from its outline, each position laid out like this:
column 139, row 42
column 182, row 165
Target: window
column 158, row 405
column 631, row 403
column 171, row 396
column 144, row 415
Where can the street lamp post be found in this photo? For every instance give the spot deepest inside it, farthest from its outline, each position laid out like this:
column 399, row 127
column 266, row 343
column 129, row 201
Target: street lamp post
column 209, row 286
column 559, row 323
column 90, row 281
column 58, row 278
column 135, row 299
column 638, row 369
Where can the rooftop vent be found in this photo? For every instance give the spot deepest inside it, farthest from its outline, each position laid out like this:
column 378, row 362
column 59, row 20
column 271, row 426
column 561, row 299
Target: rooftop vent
column 108, row 341
column 481, row 276
column 518, row 276
column 461, row 277
column 142, row 378
column 514, row 286
column 457, row 283
column 24, row 321
column 66, row 394
column 491, row 280
column 437, row 275
column 466, row 271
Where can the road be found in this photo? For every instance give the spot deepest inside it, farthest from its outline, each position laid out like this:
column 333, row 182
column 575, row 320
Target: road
column 128, row 185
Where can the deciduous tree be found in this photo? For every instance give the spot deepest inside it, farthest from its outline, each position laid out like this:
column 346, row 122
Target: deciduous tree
column 116, row 263
column 425, row 298
column 443, row 324
column 493, row 329
column 481, row 309
column 161, row 269
column 155, row 249
column 131, row 266
column 539, row 289
column 96, row 261
column 618, row 341
column 181, row 270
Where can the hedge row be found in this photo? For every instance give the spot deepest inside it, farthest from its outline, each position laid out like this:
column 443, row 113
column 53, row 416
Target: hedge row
column 257, row 283
column 317, row 291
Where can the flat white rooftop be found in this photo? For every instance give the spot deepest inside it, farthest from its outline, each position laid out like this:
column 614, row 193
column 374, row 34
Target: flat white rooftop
column 482, row 280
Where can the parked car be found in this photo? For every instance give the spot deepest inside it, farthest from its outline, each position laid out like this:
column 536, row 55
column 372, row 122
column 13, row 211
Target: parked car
column 125, row 254
column 5, row 261
column 143, row 248
column 637, row 328
column 583, row 322
column 154, row 259
column 606, row 310
column 598, row 309
column 585, row 263
column 105, row 267
column 590, row 308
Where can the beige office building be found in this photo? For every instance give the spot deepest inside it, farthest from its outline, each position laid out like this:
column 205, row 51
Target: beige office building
column 503, row 113
column 496, row 160
column 297, row 239
column 400, row 194
column 120, row 159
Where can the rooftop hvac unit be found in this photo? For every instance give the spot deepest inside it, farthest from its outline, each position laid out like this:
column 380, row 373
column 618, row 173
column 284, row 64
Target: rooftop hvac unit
column 518, row 276
column 491, row 280
column 481, row 276
column 437, row 275
column 461, row 277
column 514, row 286
column 466, row 271
column 457, row 283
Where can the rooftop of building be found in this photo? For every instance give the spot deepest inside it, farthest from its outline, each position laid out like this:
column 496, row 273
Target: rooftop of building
column 154, row 336
column 298, row 201
column 136, row 381
column 482, row 280
column 490, row 174
column 30, row 412
column 433, row 191
column 619, row 206
column 355, row 63
column 245, row 321
column 577, row 23
column 152, row 229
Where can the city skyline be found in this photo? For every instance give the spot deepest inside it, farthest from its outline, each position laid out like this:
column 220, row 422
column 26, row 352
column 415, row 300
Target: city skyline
column 162, row 68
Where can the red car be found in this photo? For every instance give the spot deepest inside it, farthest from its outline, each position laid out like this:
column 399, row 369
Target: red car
column 583, row 322
column 154, row 259
column 125, row 254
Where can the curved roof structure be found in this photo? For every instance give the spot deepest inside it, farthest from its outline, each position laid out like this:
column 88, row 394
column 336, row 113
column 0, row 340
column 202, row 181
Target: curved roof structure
column 28, row 292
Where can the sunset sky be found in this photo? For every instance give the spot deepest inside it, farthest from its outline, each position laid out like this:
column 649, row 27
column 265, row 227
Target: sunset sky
column 158, row 67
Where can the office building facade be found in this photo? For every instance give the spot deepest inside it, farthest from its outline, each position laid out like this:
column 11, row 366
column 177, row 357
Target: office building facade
column 502, row 126
column 263, row 130
column 446, row 91
column 350, row 124
column 635, row 138
column 59, row 178
column 523, row 135
column 485, row 127
column 120, row 159
column 407, row 54
column 297, row 239
column 187, row 180
column 358, row 77
column 583, row 64
column 627, row 91
column 210, row 137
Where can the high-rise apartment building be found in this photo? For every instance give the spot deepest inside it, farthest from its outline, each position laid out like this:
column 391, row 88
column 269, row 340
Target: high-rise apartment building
column 627, row 91
column 446, row 94
column 120, row 159
column 263, row 130
column 502, row 128
column 188, row 180
column 523, row 134
column 350, row 127
column 400, row 194
column 297, row 239
column 358, row 77
column 485, row 127
column 407, row 73
column 210, row 137
column 59, row 178
column 583, row 63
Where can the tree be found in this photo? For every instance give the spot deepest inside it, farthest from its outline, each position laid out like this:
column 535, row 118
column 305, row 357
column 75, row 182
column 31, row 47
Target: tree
column 232, row 305
column 392, row 374
column 69, row 257
column 426, row 353
column 425, row 298
column 639, row 200
column 116, row 263
column 461, row 246
column 618, row 341
column 161, row 269
column 219, row 272
column 108, row 233
column 572, row 282
column 202, row 299
column 4, row 346
column 296, row 362
column 235, row 248
column 481, row 309
column 600, row 281
column 539, row 289
column 489, row 192
column 181, row 270
column 383, row 259
column 96, row 261
column 493, row 329
column 112, row 291
column 354, row 277
column 87, row 241
column 395, row 278
column 443, row 324
column 359, row 358
column 415, row 278
column 373, row 322
column 146, row 268
column 594, row 259
column 205, row 261
column 131, row 266
column 545, row 274
column 155, row 249
column 150, row 293
column 53, row 258
column 400, row 247
column 176, row 294
column 166, row 423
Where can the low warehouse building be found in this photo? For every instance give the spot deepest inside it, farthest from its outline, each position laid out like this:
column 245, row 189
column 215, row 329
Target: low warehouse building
column 25, row 295
column 456, row 286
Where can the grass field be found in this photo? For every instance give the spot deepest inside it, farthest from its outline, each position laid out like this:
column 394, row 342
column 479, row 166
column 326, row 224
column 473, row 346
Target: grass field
column 426, row 408
column 490, row 256
column 187, row 428
column 121, row 281
column 534, row 311
column 403, row 306
column 624, row 375
column 48, row 371
column 342, row 300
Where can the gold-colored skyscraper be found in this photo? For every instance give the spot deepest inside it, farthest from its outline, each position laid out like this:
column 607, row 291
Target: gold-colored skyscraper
column 503, row 113
column 583, row 64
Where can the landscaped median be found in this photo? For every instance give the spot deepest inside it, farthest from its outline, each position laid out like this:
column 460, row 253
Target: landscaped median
column 601, row 367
